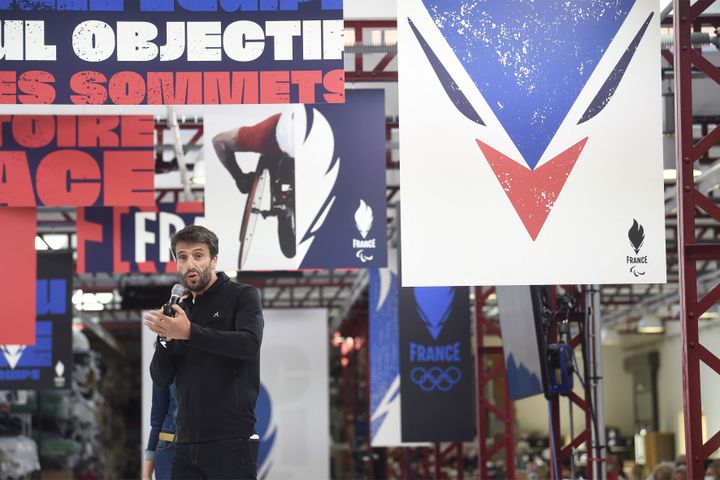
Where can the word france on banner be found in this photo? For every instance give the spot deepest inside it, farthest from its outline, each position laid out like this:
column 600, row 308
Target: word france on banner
column 62, row 161
column 161, row 52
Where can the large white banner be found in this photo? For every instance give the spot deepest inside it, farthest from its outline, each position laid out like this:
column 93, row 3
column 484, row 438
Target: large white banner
column 531, row 142
column 293, row 407
column 294, row 372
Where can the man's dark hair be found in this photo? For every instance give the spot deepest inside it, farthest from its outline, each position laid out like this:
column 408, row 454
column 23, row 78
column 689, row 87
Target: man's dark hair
column 196, row 234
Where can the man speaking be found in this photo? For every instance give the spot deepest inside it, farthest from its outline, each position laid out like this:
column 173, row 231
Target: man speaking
column 212, row 352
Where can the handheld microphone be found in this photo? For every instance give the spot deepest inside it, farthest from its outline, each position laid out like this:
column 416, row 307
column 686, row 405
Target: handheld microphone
column 175, row 294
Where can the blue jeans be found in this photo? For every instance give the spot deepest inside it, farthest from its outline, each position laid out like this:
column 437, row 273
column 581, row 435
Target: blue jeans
column 164, row 457
column 225, row 459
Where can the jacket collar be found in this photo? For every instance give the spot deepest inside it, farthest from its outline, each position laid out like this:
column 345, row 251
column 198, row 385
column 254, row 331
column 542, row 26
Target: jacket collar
column 222, row 278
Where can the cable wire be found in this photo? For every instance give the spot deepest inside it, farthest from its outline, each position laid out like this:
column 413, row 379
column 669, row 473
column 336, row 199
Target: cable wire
column 553, row 451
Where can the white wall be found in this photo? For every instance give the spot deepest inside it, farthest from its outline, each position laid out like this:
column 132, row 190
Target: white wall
column 670, row 378
column 531, row 414
column 370, row 9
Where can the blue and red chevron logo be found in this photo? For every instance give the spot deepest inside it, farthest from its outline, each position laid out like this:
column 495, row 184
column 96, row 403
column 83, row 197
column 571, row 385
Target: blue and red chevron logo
column 530, row 60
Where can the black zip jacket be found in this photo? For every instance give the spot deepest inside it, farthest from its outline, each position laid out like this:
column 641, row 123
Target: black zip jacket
column 217, row 370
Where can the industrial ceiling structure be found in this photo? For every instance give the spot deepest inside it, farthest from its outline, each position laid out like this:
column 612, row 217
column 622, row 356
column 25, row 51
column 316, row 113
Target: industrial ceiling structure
column 371, row 62
column 371, row 55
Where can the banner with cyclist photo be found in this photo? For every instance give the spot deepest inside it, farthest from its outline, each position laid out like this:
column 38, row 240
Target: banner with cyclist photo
column 535, row 141
column 292, row 187
column 437, row 373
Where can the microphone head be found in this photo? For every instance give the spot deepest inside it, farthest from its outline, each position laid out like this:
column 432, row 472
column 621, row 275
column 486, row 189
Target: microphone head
column 177, row 290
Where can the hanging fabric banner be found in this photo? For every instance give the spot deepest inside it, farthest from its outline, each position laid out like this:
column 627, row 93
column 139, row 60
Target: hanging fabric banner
column 130, row 239
column 47, row 361
column 162, row 52
column 17, row 287
column 64, row 161
column 437, row 373
column 521, row 326
column 384, row 345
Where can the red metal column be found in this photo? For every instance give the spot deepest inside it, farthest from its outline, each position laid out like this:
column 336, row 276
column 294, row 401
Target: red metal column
column 363, row 72
column 485, row 406
column 445, row 461
column 689, row 249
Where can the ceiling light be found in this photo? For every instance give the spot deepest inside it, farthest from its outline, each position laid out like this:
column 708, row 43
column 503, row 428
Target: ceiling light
column 40, row 244
column 650, row 324
column 77, row 297
column 610, row 336
column 56, row 241
column 89, row 298
column 670, row 174
column 104, row 297
column 198, row 174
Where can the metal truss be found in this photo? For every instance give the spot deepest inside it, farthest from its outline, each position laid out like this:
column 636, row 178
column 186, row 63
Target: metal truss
column 692, row 250
column 490, row 370
column 442, row 461
column 368, row 59
column 565, row 453
column 309, row 289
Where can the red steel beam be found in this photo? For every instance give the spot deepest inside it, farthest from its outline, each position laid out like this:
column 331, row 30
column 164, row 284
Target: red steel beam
column 694, row 354
column 564, row 452
column 485, row 406
column 379, row 72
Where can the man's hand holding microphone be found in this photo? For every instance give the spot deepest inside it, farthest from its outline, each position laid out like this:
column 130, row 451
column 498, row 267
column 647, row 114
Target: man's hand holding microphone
column 170, row 322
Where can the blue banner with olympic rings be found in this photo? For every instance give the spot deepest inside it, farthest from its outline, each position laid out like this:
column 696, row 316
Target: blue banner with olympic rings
column 437, row 387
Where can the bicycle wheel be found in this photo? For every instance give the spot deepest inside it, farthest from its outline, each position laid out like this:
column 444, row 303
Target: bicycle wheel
column 284, row 197
column 251, row 213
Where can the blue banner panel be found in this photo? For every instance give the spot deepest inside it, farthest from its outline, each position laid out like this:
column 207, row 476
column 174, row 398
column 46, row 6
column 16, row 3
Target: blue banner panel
column 436, row 365
column 48, row 363
column 384, row 358
column 124, row 240
column 63, row 161
column 161, row 52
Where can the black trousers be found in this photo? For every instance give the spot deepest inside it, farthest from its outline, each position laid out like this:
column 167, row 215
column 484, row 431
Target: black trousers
column 225, row 459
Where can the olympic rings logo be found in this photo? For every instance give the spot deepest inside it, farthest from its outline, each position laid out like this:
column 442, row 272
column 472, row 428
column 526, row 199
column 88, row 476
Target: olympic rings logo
column 435, row 378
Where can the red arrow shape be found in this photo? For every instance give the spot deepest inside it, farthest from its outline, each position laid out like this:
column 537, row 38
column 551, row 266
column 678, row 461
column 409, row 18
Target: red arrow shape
column 533, row 193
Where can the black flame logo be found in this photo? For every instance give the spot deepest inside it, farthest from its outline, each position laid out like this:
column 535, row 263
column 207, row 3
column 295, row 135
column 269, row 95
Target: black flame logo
column 636, row 234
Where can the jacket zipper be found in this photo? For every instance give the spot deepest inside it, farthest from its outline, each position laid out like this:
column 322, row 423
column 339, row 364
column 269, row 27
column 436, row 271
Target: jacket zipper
column 237, row 390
